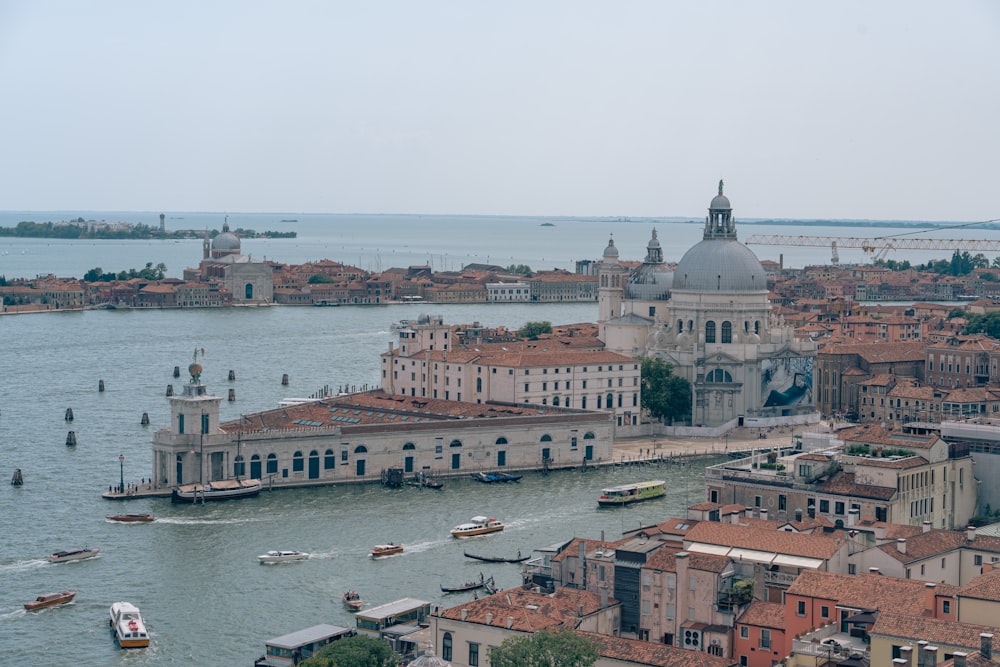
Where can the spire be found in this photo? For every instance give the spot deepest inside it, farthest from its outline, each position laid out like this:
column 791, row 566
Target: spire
column 720, row 224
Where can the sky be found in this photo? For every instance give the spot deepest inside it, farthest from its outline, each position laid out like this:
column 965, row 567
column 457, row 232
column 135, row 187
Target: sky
column 820, row 110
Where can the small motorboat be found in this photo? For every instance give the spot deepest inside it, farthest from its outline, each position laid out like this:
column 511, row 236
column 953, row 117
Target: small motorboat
column 353, row 601
column 225, row 489
column 383, row 550
column 131, row 518
column 50, row 600
column 478, row 525
column 127, row 625
column 74, row 554
column 282, row 556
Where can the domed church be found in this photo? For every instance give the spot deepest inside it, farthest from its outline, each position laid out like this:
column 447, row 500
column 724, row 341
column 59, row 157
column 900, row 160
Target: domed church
column 248, row 281
column 711, row 320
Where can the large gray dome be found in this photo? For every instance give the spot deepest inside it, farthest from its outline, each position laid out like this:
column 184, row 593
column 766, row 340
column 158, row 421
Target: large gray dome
column 226, row 241
column 720, row 265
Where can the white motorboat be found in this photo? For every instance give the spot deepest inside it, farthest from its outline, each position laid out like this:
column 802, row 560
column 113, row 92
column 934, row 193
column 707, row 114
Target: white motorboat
column 74, row 554
column 128, row 626
column 282, row 556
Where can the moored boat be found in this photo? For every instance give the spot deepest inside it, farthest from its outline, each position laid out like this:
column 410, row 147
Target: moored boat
column 50, row 599
column 478, row 525
column 131, row 518
column 626, row 494
column 353, row 601
column 390, row 549
column 282, row 556
column 483, row 582
column 223, row 489
column 74, row 554
column 127, row 625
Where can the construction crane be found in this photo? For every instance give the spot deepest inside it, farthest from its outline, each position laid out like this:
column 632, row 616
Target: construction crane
column 877, row 246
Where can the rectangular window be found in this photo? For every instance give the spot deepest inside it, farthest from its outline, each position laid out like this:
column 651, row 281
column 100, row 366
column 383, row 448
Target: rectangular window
column 839, row 508
column 671, row 610
column 782, row 502
column 824, row 506
column 744, row 632
column 473, row 655
column 765, row 639
column 977, row 560
column 800, row 608
column 645, row 607
column 744, row 661
column 824, row 612
column 756, row 501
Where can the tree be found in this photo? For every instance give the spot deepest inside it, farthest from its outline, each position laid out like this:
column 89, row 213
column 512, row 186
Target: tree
column 318, row 278
column 987, row 323
column 357, row 651
column 546, row 648
column 520, row 269
column 532, row 330
column 664, row 395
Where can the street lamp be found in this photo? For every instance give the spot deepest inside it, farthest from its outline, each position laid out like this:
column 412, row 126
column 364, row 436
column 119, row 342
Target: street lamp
column 121, row 470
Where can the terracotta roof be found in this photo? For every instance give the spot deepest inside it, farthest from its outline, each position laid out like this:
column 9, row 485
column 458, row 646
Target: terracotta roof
column 765, row 539
column 934, row 630
column 873, row 434
column 881, row 353
column 638, row 652
column 527, row 611
column 764, row 614
column 897, row 464
column 984, row 587
column 843, row 484
column 939, row 541
column 865, row 591
column 706, row 506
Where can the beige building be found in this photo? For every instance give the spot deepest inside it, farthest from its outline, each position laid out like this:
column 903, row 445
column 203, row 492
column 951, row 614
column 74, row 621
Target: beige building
column 429, row 363
column 245, row 279
column 355, row 437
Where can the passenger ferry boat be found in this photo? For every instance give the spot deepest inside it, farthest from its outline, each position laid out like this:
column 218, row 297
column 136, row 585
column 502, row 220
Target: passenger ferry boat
column 626, row 494
column 478, row 525
column 127, row 625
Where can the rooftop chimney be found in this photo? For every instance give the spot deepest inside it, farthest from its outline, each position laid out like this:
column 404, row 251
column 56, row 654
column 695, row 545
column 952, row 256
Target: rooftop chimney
column 930, row 598
column 986, row 645
column 873, row 570
column 489, row 618
column 798, row 514
column 510, row 622
column 901, row 545
column 465, row 613
column 735, row 518
column 921, row 655
column 852, row 517
column 970, row 533
column 748, row 512
column 763, row 514
column 927, row 526
column 931, row 652
column 959, row 659
column 604, row 597
column 907, row 653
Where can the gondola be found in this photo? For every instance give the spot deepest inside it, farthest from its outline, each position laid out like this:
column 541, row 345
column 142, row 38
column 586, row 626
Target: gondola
column 471, row 585
column 498, row 559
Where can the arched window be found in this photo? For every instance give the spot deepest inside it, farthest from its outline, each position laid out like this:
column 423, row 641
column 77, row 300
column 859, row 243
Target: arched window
column 611, row 402
column 298, row 463
column 446, row 647
column 583, row 402
column 599, row 398
column 329, row 460
column 680, row 326
column 589, row 435
column 455, row 443
column 719, row 375
column 727, row 332
column 255, row 467
column 360, row 449
column 501, row 441
column 545, row 438
column 239, row 467
column 272, row 464
column 409, row 445
column 248, row 291
column 555, row 400
column 756, row 327
column 710, row 331
column 691, row 326
column 479, row 384
column 746, row 326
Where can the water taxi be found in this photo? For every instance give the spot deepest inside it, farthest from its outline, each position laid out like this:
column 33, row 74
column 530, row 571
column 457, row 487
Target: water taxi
column 390, row 549
column 282, row 556
column 223, row 489
column 626, row 494
column 478, row 525
column 74, row 554
column 50, row 599
column 353, row 601
column 127, row 625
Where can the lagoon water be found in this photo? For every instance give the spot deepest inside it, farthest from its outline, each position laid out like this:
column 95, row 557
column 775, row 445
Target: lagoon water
column 194, row 572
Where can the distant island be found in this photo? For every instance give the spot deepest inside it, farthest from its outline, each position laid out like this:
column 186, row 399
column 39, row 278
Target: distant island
column 101, row 230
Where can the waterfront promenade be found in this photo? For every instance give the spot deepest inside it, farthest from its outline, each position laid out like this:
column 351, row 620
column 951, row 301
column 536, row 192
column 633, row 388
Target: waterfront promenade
column 625, row 451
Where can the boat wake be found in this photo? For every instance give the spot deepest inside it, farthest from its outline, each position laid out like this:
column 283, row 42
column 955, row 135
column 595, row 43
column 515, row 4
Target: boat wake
column 322, row 555
column 427, row 546
column 23, row 565
column 205, row 522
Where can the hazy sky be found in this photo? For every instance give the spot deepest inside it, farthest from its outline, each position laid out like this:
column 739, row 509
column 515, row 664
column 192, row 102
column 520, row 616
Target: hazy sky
column 883, row 110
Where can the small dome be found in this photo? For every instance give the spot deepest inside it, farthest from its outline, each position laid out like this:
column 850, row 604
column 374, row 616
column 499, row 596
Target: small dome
column 720, row 202
column 611, row 251
column 650, row 282
column 719, row 265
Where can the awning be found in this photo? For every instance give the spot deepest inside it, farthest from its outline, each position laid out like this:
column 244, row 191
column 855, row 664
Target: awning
column 752, row 555
column 798, row 561
column 716, row 549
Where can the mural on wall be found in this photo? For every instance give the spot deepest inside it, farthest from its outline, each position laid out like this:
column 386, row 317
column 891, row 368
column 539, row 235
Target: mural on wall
column 786, row 381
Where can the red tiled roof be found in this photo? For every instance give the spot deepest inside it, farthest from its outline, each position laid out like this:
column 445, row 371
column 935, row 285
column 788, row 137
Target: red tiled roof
column 934, row 630
column 865, row 591
column 765, row 539
column 764, row 614
column 633, row 651
column 984, row 587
